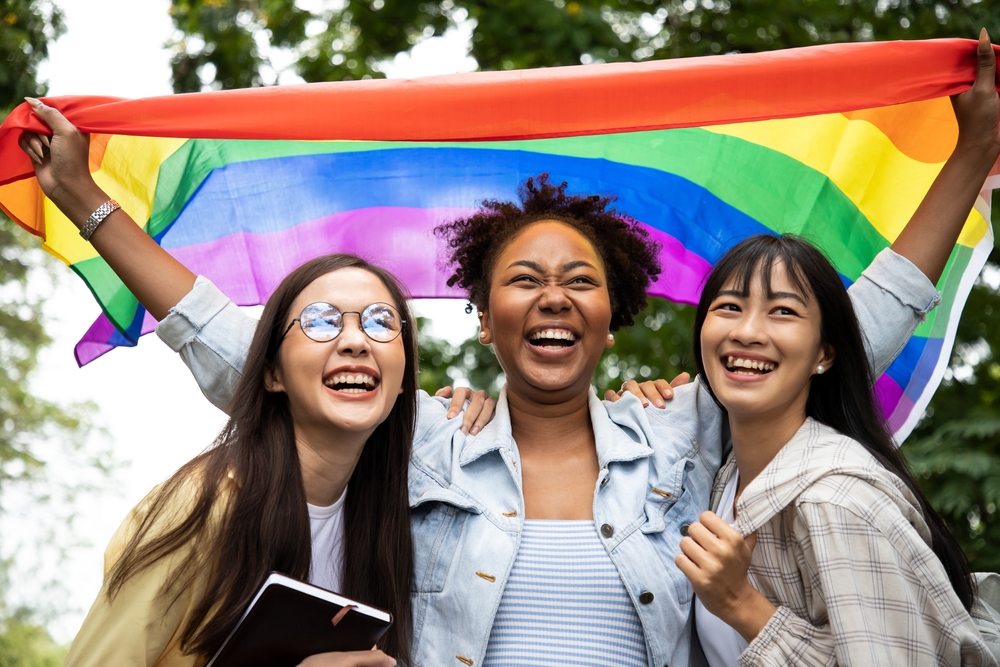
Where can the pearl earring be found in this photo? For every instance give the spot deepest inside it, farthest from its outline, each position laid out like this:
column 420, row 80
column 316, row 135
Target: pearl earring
column 611, row 338
column 482, row 334
column 820, row 370
column 480, row 313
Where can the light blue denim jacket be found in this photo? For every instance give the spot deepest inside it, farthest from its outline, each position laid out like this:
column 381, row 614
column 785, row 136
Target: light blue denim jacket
column 657, row 469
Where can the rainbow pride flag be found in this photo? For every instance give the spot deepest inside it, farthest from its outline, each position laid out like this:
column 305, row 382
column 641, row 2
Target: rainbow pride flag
column 837, row 143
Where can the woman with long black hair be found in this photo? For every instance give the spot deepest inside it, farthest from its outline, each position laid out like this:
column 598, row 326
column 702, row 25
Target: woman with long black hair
column 848, row 562
column 308, row 478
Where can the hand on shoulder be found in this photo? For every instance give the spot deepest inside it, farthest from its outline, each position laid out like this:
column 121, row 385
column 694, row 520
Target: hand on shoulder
column 651, row 392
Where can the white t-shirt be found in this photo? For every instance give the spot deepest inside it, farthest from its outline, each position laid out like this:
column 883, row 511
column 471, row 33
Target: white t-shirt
column 722, row 644
column 326, row 527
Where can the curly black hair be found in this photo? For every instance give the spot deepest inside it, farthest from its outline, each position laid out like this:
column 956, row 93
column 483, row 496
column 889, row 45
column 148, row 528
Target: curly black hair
column 630, row 256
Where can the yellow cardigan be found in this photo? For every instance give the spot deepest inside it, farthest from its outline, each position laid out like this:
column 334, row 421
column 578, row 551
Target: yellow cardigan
column 142, row 625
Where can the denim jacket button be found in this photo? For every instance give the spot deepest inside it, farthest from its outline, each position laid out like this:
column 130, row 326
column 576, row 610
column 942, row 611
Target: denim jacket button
column 645, row 597
column 684, row 529
column 607, row 530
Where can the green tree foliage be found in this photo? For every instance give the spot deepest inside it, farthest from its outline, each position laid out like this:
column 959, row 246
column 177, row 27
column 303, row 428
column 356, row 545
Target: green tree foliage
column 32, row 430
column 239, row 43
column 955, row 450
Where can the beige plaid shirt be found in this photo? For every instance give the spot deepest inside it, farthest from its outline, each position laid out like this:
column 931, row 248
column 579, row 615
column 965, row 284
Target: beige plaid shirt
column 843, row 552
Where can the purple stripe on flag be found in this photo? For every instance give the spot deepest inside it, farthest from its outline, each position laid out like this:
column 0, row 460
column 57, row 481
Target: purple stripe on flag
column 890, row 397
column 248, row 267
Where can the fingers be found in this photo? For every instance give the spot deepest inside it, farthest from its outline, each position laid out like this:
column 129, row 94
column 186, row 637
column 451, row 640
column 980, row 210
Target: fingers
column 459, row 395
column 714, row 523
column 751, row 541
column 687, row 566
column 485, row 416
column 653, row 392
column 479, row 411
column 611, row 396
column 476, row 401
column 50, row 116
column 682, row 379
column 694, row 551
column 986, row 62
column 632, row 387
column 30, row 144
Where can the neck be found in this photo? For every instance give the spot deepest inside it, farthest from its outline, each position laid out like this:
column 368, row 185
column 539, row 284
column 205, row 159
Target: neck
column 550, row 427
column 327, row 463
column 757, row 439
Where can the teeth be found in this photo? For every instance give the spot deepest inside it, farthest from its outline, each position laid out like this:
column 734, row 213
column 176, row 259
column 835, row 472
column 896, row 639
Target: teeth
column 366, row 382
column 752, row 364
column 557, row 334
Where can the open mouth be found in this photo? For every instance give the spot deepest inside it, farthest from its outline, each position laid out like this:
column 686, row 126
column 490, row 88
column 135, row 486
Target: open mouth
column 742, row 366
column 553, row 339
column 351, row 383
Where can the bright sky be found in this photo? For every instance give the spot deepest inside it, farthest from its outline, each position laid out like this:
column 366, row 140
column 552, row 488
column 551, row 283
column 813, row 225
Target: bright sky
column 156, row 418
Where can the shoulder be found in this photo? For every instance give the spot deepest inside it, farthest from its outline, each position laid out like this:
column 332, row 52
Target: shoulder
column 433, row 425
column 165, row 507
column 856, row 494
column 692, row 411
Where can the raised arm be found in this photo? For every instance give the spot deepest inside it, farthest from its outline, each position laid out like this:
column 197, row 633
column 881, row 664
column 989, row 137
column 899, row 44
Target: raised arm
column 61, row 164
column 897, row 290
column 931, row 233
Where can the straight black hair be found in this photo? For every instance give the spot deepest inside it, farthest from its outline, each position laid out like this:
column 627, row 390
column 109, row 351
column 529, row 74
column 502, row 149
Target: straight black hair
column 263, row 523
column 842, row 398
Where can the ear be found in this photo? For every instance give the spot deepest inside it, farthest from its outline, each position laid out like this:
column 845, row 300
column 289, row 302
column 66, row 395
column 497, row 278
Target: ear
column 485, row 332
column 273, row 382
column 826, row 357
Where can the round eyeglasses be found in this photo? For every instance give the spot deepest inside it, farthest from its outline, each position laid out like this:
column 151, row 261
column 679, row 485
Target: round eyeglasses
column 322, row 322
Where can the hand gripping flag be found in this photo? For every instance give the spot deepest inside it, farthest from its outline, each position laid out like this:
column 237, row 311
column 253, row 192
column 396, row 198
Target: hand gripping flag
column 837, row 143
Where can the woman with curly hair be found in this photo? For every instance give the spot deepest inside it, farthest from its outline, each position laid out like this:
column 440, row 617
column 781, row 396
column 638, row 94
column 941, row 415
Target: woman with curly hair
column 549, row 537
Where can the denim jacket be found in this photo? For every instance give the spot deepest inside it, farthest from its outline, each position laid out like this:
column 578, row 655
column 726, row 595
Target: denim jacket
column 657, row 468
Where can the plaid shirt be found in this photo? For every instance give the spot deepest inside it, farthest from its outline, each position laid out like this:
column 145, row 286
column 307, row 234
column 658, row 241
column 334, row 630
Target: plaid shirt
column 843, row 552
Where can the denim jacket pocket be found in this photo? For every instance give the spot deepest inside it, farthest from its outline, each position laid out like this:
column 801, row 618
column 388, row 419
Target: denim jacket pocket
column 437, row 525
column 663, row 494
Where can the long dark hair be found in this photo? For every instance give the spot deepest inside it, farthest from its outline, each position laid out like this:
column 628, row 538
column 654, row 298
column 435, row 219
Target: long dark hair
column 261, row 522
column 842, row 397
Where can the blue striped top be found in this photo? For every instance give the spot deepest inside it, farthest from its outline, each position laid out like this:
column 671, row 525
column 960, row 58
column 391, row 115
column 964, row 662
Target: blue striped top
column 565, row 604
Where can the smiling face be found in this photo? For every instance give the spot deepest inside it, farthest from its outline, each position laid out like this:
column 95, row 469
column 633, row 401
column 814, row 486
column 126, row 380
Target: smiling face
column 348, row 385
column 760, row 350
column 549, row 312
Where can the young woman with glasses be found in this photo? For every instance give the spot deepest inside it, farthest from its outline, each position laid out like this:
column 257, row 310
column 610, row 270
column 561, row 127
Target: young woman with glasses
column 309, row 476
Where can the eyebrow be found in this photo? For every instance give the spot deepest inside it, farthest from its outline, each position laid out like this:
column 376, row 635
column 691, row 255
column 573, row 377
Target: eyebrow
column 568, row 266
column 770, row 297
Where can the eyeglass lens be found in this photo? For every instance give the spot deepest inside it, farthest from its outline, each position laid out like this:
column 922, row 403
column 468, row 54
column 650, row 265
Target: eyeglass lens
column 323, row 322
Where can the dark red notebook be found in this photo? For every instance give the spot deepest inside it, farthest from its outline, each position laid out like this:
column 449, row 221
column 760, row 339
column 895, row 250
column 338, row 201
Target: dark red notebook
column 290, row 620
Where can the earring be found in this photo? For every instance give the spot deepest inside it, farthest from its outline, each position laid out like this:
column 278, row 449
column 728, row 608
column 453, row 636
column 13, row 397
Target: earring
column 820, row 370
column 480, row 313
column 482, row 334
column 611, row 338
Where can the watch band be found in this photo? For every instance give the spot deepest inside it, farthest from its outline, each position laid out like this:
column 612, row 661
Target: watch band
column 97, row 217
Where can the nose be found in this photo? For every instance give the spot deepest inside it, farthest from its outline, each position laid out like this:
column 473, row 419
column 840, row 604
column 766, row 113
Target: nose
column 750, row 329
column 352, row 341
column 554, row 299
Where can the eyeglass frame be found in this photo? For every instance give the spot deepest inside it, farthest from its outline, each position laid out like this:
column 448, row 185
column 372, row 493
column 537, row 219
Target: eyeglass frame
column 342, row 313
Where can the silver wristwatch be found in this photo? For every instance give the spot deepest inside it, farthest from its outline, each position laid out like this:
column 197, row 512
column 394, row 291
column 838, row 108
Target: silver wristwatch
column 97, row 217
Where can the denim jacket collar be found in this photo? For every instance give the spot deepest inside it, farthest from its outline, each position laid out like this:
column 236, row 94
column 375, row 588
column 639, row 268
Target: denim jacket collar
column 613, row 444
